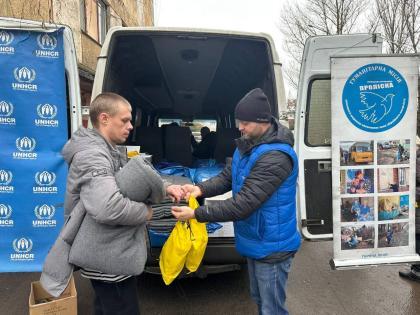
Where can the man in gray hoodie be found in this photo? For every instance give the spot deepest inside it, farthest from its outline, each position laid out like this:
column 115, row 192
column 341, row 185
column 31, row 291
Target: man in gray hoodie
column 93, row 160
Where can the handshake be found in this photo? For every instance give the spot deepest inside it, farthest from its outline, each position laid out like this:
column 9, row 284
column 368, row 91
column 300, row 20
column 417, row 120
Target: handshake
column 178, row 192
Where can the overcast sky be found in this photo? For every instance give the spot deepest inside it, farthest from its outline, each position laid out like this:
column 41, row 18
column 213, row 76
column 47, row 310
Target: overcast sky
column 241, row 15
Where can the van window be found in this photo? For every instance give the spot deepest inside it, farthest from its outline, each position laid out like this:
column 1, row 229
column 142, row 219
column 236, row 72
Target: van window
column 168, row 121
column 318, row 115
column 197, row 124
column 200, row 123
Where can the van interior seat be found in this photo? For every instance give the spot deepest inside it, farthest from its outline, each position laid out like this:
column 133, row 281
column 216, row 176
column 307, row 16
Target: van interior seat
column 150, row 140
column 225, row 143
column 177, row 145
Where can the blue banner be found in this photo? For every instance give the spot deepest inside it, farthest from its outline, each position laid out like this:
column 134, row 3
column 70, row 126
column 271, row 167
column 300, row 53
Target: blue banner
column 33, row 129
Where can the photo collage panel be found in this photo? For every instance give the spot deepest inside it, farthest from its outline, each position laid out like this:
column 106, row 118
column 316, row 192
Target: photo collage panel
column 374, row 188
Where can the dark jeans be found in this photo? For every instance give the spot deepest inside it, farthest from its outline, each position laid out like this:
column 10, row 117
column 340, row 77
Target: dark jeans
column 268, row 285
column 116, row 298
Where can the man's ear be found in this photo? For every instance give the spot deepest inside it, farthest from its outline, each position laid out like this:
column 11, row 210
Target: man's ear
column 103, row 119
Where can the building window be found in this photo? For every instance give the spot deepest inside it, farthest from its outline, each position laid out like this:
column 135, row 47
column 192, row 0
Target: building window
column 94, row 19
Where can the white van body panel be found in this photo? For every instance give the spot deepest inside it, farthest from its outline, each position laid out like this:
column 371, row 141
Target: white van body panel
column 70, row 62
column 316, row 64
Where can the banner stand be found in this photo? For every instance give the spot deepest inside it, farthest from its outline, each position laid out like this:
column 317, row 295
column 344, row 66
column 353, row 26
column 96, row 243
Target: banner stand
column 373, row 145
column 33, row 129
column 372, row 262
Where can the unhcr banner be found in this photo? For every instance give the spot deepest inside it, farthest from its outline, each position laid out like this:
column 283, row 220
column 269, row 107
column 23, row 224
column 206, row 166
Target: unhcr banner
column 33, row 129
column 374, row 109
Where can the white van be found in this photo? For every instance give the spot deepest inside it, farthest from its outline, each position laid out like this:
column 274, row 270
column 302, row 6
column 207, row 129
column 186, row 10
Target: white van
column 313, row 126
column 193, row 78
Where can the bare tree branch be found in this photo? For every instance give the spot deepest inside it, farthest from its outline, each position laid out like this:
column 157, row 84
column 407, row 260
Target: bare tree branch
column 393, row 19
column 316, row 17
column 413, row 24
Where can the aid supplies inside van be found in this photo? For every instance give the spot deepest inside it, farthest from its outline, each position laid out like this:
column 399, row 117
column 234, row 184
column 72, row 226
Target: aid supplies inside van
column 178, row 81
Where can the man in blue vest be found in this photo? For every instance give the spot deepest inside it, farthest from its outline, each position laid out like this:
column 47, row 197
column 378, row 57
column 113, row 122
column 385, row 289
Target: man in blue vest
column 262, row 178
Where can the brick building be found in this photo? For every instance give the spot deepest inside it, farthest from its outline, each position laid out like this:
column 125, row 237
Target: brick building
column 89, row 21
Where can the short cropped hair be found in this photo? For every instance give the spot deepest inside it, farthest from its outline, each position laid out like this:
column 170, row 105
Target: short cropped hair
column 105, row 103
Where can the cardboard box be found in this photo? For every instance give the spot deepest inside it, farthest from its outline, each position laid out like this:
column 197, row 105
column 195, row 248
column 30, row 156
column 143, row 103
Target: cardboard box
column 42, row 303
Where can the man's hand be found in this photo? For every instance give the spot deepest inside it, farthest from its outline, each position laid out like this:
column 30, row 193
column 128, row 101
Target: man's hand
column 183, row 213
column 191, row 191
column 150, row 213
column 175, row 192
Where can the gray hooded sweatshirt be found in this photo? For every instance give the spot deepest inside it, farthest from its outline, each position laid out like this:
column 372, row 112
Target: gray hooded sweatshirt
column 105, row 227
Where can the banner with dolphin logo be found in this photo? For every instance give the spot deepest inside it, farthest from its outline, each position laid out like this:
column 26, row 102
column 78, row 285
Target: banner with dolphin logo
column 374, row 110
column 33, row 129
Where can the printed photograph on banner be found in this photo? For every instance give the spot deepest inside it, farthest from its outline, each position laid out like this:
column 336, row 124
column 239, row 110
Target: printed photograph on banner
column 393, row 207
column 393, row 179
column 356, row 153
column 357, row 209
column 357, row 181
column 393, row 152
column 357, row 237
column 393, row 235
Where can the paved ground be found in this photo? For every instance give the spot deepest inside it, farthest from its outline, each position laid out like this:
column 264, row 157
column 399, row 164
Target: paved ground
column 313, row 289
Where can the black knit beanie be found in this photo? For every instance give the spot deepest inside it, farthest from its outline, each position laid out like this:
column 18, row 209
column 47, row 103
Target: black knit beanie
column 254, row 106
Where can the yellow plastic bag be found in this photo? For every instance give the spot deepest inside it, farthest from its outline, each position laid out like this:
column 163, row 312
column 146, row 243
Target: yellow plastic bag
column 174, row 252
column 199, row 241
column 185, row 246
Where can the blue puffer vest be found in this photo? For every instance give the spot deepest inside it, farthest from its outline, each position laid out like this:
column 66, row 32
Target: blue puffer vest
column 272, row 228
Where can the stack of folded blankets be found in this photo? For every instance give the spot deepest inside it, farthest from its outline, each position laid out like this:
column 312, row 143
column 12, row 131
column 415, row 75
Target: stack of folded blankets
column 162, row 219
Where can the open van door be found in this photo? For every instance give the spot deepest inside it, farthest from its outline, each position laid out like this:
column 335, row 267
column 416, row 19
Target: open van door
column 313, row 126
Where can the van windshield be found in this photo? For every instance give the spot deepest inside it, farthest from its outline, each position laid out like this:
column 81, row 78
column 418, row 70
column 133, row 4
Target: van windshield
column 363, row 149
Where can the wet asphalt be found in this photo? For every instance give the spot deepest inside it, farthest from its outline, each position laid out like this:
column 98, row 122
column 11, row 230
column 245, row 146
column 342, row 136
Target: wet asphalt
column 313, row 289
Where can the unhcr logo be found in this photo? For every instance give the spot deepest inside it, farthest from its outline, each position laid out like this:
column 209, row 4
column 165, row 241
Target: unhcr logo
column 6, row 111
column 47, row 43
column 5, row 211
column 5, row 179
column 46, row 112
column 22, row 248
column 44, row 215
column 45, row 178
column 44, row 212
column 22, row 245
column 25, row 147
column 45, row 181
column 6, row 38
column 5, row 214
column 25, row 144
column 24, row 76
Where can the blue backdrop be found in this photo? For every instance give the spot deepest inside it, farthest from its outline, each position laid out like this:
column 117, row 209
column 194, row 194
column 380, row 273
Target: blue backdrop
column 33, row 129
